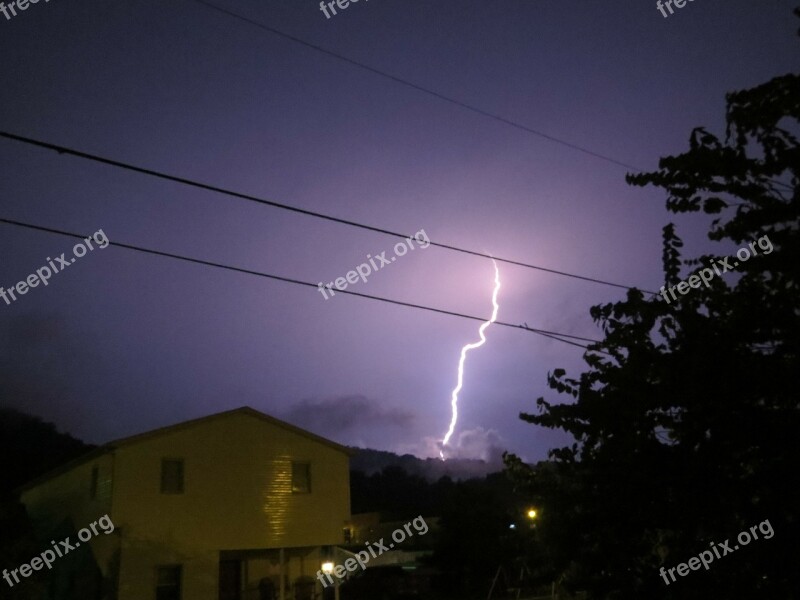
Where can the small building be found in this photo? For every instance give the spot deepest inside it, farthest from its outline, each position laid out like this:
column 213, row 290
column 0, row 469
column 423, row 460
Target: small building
column 372, row 526
column 232, row 506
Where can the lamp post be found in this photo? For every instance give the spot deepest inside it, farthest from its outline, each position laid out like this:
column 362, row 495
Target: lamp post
column 532, row 514
column 327, row 568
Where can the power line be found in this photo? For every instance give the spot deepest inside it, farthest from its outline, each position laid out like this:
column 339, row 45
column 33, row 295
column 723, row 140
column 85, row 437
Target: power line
column 418, row 87
column 433, row 93
column 309, row 213
column 550, row 334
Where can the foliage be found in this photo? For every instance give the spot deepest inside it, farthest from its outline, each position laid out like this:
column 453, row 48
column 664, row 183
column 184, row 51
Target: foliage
column 30, row 447
column 685, row 419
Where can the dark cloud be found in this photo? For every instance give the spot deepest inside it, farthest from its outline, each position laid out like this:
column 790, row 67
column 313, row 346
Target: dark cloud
column 141, row 341
column 347, row 415
column 35, row 356
column 44, row 368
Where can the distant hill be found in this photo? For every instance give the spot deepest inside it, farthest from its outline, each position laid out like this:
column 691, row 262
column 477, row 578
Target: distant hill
column 374, row 461
column 30, row 447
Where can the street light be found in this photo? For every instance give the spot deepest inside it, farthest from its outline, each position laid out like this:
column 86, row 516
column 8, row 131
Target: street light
column 327, row 568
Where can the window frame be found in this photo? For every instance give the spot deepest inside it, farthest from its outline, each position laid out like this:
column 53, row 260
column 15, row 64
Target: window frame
column 179, row 489
column 307, row 465
column 94, row 483
column 158, row 585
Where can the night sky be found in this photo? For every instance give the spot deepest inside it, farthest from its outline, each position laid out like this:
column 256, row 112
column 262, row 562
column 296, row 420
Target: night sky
column 121, row 342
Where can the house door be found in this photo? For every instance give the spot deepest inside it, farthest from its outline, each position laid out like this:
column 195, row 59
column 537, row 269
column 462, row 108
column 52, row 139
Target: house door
column 230, row 580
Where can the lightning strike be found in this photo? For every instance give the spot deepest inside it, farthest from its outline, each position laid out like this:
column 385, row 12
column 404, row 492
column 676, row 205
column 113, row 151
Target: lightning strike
column 464, row 350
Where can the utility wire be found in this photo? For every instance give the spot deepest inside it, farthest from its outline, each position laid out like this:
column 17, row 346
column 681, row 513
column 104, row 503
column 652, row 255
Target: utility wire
column 550, row 334
column 310, row 213
column 430, row 92
column 418, row 87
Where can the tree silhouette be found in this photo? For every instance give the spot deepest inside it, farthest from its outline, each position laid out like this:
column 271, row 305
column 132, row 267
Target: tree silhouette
column 685, row 420
column 29, row 447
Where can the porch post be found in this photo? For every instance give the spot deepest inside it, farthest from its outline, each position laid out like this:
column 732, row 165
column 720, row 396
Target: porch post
column 283, row 578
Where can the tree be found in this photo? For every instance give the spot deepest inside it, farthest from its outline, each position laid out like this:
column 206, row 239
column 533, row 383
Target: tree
column 475, row 537
column 30, row 447
column 686, row 418
column 17, row 545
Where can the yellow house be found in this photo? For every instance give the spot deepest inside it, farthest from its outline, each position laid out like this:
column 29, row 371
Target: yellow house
column 232, row 506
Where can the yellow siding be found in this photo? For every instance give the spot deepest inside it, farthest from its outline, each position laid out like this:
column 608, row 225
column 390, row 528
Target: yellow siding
column 237, row 490
column 66, row 496
column 63, row 503
column 237, row 496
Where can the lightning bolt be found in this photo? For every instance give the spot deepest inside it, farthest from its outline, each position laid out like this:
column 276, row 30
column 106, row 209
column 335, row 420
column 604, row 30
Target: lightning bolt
column 464, row 350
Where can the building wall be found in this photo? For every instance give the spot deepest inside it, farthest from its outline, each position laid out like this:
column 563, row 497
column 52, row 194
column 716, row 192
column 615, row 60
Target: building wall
column 237, row 496
column 298, row 563
column 138, row 570
column 67, row 496
column 63, row 505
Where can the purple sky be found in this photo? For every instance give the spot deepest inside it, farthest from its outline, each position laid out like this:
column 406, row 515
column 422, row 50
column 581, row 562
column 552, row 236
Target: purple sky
column 122, row 342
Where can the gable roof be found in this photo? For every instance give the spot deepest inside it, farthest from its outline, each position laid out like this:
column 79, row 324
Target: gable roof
column 139, row 437
column 244, row 410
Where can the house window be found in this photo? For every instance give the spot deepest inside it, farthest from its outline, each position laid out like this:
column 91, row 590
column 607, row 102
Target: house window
column 171, row 476
column 168, row 582
column 93, row 486
column 301, row 478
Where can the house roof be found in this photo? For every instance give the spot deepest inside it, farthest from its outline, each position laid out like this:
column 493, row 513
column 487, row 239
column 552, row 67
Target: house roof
column 134, row 439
